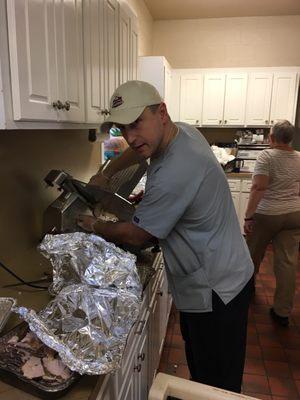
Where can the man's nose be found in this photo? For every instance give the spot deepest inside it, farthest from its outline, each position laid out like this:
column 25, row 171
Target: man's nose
column 130, row 136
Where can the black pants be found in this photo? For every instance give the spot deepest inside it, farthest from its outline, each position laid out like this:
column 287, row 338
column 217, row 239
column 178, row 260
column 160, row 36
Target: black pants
column 215, row 342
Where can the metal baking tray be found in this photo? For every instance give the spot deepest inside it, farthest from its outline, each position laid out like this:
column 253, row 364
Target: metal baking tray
column 6, row 304
column 11, row 373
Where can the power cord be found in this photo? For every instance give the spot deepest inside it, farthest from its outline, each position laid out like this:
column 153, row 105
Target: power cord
column 20, row 279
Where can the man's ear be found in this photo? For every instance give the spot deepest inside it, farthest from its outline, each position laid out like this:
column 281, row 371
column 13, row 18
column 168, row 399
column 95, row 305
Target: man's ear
column 163, row 112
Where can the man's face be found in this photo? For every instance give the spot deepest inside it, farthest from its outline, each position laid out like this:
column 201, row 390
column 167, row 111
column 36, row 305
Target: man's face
column 145, row 135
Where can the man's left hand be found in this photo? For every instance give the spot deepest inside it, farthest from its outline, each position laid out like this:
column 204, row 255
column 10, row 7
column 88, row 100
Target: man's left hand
column 86, row 222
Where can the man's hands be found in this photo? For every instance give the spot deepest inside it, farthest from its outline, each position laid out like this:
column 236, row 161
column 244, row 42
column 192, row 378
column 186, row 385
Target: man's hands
column 99, row 180
column 136, row 198
column 86, row 222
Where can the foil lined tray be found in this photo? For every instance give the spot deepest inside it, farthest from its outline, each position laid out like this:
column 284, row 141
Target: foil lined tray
column 6, row 304
column 11, row 363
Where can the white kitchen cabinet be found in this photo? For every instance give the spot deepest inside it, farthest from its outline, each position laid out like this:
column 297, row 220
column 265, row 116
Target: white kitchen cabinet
column 124, row 38
column 213, row 99
column 142, row 352
column 224, row 99
column 236, row 201
column 259, row 99
column 94, row 53
column 134, row 42
column 243, row 206
column 32, row 59
column 69, row 39
column 111, row 50
column 46, row 58
column 240, row 192
column 111, row 40
column 272, row 97
column 191, row 94
column 284, row 94
column 235, row 99
column 140, row 367
column 128, row 37
column 157, row 71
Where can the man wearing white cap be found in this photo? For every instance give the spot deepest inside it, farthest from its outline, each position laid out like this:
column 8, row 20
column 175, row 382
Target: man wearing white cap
column 188, row 207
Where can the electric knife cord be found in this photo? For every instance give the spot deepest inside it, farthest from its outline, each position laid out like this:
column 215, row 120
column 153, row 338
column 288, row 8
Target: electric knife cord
column 20, row 279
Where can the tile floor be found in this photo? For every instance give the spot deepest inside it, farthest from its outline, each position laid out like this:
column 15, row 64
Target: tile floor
column 272, row 368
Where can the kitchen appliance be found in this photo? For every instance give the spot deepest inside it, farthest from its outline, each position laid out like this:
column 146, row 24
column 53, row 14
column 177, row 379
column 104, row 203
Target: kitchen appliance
column 246, row 156
column 79, row 198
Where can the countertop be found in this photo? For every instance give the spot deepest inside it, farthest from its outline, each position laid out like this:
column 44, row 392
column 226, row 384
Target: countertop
column 240, row 175
column 87, row 387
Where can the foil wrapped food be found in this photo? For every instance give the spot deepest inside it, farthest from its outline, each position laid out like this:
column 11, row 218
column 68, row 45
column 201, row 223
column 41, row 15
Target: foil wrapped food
column 87, row 326
column 84, row 258
column 98, row 294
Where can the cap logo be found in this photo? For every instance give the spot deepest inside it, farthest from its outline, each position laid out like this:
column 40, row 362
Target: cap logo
column 117, row 101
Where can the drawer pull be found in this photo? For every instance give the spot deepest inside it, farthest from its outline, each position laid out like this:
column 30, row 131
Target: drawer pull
column 141, row 357
column 140, row 327
column 137, row 368
column 160, row 293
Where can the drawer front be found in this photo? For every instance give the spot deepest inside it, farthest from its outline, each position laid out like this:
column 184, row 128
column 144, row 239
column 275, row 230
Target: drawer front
column 246, row 185
column 234, row 185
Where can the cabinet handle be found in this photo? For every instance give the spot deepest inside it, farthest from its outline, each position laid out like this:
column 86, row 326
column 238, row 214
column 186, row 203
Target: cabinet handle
column 104, row 112
column 67, row 105
column 137, row 368
column 141, row 357
column 58, row 104
column 272, row 122
column 220, row 121
column 225, row 122
column 197, row 121
column 139, row 331
column 266, row 121
column 160, row 293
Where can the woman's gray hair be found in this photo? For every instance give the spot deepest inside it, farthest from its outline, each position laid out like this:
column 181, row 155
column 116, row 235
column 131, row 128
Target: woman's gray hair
column 283, row 132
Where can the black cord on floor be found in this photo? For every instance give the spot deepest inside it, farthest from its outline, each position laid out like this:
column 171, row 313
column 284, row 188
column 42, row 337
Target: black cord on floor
column 20, row 279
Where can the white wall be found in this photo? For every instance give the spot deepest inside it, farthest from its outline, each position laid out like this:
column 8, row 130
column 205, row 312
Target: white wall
column 229, row 42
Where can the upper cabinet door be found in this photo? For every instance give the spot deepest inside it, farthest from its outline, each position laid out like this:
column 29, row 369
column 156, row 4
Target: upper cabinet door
column 69, row 40
column 213, row 99
column 94, row 60
column 235, row 99
column 32, row 59
column 128, row 43
column 284, row 94
column 124, row 45
column 134, row 51
column 259, row 99
column 111, row 52
column 191, row 88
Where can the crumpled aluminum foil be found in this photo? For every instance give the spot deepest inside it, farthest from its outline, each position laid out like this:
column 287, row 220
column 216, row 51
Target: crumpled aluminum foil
column 87, row 326
column 86, row 258
column 98, row 295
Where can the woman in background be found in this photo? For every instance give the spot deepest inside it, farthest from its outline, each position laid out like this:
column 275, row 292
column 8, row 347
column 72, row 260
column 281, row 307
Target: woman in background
column 273, row 215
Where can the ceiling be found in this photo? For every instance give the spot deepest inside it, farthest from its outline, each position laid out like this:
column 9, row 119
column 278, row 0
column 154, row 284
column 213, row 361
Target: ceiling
column 194, row 9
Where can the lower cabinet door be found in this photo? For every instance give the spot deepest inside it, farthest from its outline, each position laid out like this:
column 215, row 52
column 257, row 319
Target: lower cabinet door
column 141, row 369
column 243, row 206
column 129, row 392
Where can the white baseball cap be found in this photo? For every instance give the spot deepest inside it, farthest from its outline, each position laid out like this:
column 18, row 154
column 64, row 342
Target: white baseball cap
column 129, row 101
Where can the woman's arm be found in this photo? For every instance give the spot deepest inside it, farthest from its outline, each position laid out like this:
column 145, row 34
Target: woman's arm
column 258, row 188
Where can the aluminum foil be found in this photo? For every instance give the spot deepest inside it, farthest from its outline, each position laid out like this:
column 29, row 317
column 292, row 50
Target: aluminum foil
column 87, row 326
column 85, row 258
column 98, row 294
